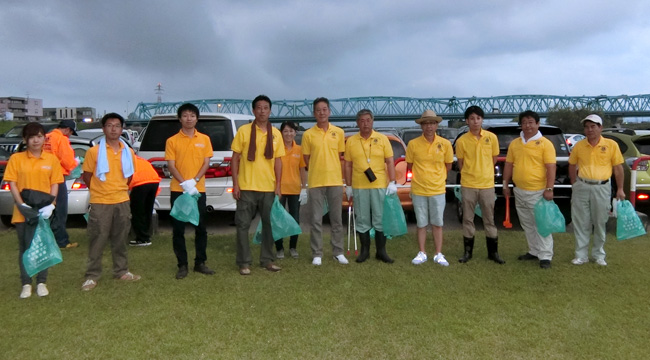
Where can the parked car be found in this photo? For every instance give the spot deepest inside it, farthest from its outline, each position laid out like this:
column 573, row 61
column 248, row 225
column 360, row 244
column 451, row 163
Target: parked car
column 78, row 196
column 408, row 134
column 572, row 139
column 626, row 131
column 127, row 135
column 633, row 147
column 506, row 133
column 10, row 140
column 221, row 128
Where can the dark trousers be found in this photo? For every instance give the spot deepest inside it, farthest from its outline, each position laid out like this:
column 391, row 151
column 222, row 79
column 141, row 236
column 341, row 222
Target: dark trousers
column 60, row 216
column 200, row 234
column 294, row 210
column 25, row 236
column 249, row 203
column 142, row 199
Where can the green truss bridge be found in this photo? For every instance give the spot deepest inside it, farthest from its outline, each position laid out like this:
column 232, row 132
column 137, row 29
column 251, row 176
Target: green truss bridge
column 406, row 108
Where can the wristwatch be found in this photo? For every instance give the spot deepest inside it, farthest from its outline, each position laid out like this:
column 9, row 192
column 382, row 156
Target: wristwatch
column 549, row 189
column 197, row 179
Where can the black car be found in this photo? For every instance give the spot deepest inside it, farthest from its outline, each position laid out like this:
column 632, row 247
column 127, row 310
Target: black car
column 10, row 140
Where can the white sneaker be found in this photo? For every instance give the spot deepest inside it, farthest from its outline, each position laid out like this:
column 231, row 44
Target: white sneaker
column 41, row 290
column 601, row 262
column 341, row 259
column 317, row 261
column 88, row 285
column 27, row 291
column 579, row 261
column 294, row 253
column 421, row 258
column 440, row 259
column 280, row 254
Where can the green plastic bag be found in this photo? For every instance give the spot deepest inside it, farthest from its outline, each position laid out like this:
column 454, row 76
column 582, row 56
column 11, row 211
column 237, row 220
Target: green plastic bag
column 76, row 172
column 548, row 218
column 282, row 224
column 186, row 208
column 393, row 220
column 628, row 224
column 43, row 252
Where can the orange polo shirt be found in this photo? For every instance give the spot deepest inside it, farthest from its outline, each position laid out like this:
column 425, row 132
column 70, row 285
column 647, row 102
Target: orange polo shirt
column 35, row 173
column 144, row 173
column 189, row 153
column 115, row 189
column 292, row 161
column 59, row 145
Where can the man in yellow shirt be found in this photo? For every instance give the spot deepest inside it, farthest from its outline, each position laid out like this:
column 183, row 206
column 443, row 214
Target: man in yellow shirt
column 322, row 147
column 530, row 163
column 591, row 164
column 369, row 168
column 57, row 142
column 429, row 157
column 256, row 174
column 188, row 156
column 477, row 153
column 107, row 171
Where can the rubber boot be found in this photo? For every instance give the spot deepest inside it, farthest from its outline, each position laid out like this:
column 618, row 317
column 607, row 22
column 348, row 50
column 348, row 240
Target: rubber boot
column 364, row 238
column 469, row 248
column 493, row 250
column 380, row 242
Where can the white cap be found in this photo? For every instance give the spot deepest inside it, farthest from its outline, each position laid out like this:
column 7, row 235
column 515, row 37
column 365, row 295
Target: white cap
column 593, row 118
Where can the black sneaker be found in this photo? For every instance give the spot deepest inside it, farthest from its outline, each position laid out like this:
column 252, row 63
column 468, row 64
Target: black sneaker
column 527, row 256
column 182, row 272
column 139, row 243
column 545, row 264
column 203, row 269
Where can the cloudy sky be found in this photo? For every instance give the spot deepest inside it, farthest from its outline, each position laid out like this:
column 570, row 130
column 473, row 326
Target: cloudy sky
column 111, row 54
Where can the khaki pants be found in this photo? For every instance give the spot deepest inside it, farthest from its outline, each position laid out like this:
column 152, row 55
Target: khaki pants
column 590, row 205
column 249, row 204
column 108, row 223
column 525, row 201
column 334, row 196
column 485, row 199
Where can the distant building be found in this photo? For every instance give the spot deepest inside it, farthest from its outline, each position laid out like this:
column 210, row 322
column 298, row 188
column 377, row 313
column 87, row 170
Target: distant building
column 79, row 114
column 21, row 109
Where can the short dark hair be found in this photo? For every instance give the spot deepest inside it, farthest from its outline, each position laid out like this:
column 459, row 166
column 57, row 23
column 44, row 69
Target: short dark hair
column 320, row 99
column 262, row 98
column 474, row 110
column 33, row 129
column 112, row 116
column 187, row 107
column 365, row 112
column 529, row 113
column 290, row 124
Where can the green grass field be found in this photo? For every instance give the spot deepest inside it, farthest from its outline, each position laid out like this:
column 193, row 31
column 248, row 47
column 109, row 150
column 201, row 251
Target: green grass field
column 478, row 310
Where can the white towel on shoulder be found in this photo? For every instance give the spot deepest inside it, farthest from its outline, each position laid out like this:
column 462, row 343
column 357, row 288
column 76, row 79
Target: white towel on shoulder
column 102, row 167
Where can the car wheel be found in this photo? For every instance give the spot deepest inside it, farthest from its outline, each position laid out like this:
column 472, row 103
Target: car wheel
column 459, row 210
column 6, row 220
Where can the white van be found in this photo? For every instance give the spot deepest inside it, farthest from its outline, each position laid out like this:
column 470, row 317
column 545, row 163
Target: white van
column 221, row 129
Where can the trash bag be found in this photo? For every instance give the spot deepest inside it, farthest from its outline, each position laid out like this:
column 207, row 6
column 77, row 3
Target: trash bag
column 282, row 224
column 548, row 217
column 43, row 252
column 393, row 219
column 628, row 224
column 186, row 208
column 76, row 172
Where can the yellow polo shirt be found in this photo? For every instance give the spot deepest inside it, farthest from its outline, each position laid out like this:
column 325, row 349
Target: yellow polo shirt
column 189, row 153
column 115, row 189
column 35, row 173
column 529, row 162
column 429, row 164
column 596, row 162
column 371, row 152
column 477, row 154
column 324, row 148
column 292, row 162
column 258, row 175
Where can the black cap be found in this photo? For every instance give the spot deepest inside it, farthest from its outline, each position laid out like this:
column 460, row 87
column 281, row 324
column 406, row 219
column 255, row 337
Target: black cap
column 69, row 124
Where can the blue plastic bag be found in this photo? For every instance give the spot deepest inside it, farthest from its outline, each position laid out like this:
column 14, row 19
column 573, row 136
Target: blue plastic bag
column 628, row 224
column 43, row 252
column 282, row 224
column 186, row 209
column 548, row 217
column 393, row 219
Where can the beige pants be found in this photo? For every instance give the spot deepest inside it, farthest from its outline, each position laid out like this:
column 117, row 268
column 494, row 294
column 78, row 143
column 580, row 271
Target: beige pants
column 485, row 198
column 525, row 201
column 108, row 223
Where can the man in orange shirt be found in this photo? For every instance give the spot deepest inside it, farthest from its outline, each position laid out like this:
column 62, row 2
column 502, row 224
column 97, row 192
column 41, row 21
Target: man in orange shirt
column 57, row 142
column 143, row 186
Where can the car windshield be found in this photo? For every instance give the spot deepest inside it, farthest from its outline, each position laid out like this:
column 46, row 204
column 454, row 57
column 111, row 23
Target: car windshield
column 219, row 131
column 643, row 145
column 14, row 132
column 506, row 134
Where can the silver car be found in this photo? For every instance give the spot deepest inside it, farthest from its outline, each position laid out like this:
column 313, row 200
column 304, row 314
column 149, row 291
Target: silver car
column 78, row 195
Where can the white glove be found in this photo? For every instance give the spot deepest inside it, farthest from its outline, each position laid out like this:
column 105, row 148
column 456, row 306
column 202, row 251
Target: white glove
column 348, row 192
column 302, row 198
column 188, row 184
column 193, row 191
column 46, row 211
column 77, row 160
column 391, row 189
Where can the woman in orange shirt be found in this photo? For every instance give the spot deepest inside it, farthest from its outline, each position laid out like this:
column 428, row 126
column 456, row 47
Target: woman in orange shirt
column 39, row 171
column 293, row 184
